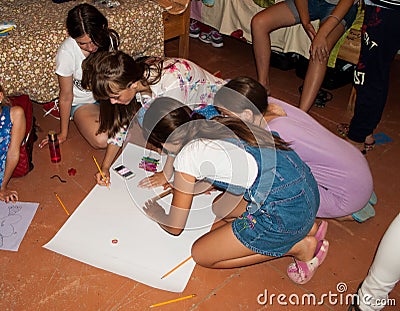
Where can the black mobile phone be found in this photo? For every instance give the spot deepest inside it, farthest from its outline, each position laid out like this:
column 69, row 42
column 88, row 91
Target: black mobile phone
column 123, row 171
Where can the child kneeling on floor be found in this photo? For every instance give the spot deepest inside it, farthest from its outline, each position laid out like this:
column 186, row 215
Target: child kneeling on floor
column 343, row 175
column 125, row 87
column 269, row 201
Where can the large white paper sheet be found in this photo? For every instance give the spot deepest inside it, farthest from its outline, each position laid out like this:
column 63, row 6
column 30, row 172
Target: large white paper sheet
column 144, row 252
column 15, row 219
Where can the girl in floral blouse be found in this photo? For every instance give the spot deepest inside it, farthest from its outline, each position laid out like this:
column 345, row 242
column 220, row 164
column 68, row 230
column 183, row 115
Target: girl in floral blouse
column 126, row 87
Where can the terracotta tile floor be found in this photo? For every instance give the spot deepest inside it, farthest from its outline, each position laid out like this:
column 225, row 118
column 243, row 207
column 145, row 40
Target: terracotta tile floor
column 37, row 279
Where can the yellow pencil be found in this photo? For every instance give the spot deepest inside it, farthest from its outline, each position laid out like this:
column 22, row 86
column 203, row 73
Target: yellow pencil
column 162, row 194
column 173, row 300
column 7, row 29
column 61, row 203
column 101, row 173
column 169, row 272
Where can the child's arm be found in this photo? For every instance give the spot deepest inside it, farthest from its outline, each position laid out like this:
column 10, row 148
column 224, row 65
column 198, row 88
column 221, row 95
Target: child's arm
column 202, row 187
column 17, row 135
column 111, row 152
column 65, row 99
column 159, row 178
column 175, row 221
column 319, row 47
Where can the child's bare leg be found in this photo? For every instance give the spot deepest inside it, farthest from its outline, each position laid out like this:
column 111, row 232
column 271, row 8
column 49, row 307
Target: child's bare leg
column 86, row 119
column 276, row 16
column 228, row 207
column 221, row 249
column 312, row 83
column 316, row 72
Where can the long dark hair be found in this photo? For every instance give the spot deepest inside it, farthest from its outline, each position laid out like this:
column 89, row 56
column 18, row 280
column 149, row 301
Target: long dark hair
column 86, row 19
column 242, row 93
column 168, row 119
column 106, row 73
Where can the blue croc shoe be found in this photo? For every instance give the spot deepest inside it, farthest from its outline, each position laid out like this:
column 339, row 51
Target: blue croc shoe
column 373, row 199
column 364, row 214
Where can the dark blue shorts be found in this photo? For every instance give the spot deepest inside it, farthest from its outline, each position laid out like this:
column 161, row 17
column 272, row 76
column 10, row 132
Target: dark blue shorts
column 75, row 107
column 320, row 9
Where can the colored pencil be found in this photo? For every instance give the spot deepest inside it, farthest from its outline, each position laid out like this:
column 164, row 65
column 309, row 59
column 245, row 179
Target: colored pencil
column 162, row 194
column 101, row 173
column 7, row 29
column 61, row 203
column 173, row 300
column 172, row 270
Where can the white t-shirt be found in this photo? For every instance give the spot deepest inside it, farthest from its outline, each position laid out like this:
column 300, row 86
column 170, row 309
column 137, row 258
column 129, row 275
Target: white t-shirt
column 217, row 160
column 69, row 60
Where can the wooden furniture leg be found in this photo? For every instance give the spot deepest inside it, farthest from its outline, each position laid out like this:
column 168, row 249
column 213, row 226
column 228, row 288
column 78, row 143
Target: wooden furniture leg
column 178, row 26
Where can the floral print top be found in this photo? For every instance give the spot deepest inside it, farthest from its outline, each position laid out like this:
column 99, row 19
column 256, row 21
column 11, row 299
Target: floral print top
column 182, row 80
column 5, row 137
column 187, row 82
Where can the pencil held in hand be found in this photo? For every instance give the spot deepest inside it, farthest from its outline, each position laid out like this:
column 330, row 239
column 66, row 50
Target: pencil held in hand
column 101, row 172
column 162, row 194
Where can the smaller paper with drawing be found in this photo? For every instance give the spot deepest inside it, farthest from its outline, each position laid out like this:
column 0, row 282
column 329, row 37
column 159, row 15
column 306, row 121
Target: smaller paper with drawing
column 15, row 219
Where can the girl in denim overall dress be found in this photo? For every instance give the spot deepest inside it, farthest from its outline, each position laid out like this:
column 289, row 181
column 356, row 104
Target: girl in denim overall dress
column 269, row 197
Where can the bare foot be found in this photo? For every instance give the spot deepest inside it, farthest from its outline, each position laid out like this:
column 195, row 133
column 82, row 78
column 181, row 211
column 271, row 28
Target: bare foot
column 345, row 218
column 305, row 249
column 314, row 229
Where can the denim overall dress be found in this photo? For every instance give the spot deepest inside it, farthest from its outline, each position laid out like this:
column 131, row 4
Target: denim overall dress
column 282, row 202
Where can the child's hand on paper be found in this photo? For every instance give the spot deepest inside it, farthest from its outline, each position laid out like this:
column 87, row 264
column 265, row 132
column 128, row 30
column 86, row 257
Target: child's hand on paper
column 8, row 195
column 99, row 179
column 156, row 180
column 155, row 211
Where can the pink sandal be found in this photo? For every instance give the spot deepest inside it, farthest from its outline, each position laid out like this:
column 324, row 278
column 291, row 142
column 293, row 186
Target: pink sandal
column 301, row 272
column 321, row 232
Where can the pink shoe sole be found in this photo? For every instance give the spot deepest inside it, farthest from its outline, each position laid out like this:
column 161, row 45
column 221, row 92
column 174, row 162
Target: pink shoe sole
column 301, row 272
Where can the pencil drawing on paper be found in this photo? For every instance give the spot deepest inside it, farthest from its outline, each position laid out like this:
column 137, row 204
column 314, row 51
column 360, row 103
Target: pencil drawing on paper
column 15, row 219
column 9, row 217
